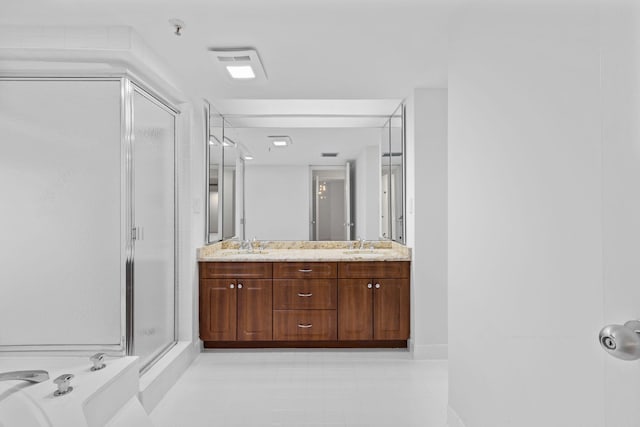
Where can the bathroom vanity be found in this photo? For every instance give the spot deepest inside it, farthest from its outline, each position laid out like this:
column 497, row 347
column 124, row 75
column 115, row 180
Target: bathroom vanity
column 304, row 294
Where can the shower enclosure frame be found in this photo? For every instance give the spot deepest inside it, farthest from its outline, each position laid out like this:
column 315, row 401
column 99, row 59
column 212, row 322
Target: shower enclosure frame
column 129, row 85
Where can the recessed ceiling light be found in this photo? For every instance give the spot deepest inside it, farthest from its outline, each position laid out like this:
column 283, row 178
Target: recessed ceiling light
column 280, row 140
column 228, row 142
column 241, row 72
column 248, row 157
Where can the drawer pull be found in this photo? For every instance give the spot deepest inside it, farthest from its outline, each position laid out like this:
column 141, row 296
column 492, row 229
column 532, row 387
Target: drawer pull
column 305, row 295
column 307, row 326
column 305, row 270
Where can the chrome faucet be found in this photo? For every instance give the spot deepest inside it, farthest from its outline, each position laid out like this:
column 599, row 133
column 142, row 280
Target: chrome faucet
column 36, row 376
column 98, row 361
column 361, row 243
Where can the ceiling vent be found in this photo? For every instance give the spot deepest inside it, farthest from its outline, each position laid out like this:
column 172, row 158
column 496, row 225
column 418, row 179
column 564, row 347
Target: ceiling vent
column 329, row 154
column 239, row 64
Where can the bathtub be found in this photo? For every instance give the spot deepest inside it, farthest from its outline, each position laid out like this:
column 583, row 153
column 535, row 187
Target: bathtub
column 108, row 397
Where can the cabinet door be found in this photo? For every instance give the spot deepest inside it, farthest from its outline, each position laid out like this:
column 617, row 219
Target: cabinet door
column 391, row 309
column 217, row 310
column 355, row 304
column 255, row 310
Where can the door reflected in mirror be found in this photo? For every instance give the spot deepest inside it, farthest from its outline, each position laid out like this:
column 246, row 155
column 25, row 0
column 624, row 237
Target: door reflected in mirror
column 307, row 176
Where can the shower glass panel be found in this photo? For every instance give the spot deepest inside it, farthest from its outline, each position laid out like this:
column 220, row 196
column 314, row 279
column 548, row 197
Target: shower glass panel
column 61, row 279
column 153, row 144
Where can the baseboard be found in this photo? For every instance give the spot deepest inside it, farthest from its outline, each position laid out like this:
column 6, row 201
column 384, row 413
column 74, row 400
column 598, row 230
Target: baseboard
column 429, row 351
column 157, row 381
column 453, row 420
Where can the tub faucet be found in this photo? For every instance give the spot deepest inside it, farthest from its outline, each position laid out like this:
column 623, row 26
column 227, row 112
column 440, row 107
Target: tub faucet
column 98, row 361
column 36, row 376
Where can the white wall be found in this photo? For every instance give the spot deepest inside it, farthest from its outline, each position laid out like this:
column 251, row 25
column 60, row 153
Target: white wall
column 525, row 216
column 427, row 219
column 621, row 204
column 368, row 193
column 277, row 202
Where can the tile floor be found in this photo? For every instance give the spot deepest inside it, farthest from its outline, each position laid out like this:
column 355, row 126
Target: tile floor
column 343, row 388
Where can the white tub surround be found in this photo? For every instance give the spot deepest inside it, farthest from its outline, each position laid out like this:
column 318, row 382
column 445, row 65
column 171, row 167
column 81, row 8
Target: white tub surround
column 97, row 396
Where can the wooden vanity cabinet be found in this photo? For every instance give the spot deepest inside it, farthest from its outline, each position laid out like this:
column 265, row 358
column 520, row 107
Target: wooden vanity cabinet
column 304, row 304
column 236, row 305
column 373, row 301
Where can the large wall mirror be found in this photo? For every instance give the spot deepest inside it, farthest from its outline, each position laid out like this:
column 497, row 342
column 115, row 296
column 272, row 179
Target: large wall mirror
column 307, row 176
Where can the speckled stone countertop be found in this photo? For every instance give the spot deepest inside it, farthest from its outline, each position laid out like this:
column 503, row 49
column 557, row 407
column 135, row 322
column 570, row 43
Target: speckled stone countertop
column 281, row 250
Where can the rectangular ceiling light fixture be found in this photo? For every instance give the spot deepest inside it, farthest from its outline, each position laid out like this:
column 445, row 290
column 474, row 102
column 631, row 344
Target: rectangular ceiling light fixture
column 240, row 63
column 241, row 71
column 280, row 140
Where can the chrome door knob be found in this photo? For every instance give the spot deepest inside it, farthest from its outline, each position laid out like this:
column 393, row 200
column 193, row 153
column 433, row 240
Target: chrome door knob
column 622, row 341
column 232, row 286
column 369, row 285
column 377, row 285
column 239, row 285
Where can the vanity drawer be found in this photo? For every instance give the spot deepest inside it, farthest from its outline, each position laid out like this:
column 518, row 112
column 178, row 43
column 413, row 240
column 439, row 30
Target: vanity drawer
column 374, row 269
column 305, row 270
column 235, row 270
column 290, row 294
column 305, row 325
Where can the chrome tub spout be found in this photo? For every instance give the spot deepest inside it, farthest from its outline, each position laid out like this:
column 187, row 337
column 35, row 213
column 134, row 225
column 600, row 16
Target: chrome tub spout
column 36, row 376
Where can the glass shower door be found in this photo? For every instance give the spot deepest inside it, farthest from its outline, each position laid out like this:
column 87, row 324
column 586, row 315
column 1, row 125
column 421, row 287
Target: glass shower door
column 153, row 148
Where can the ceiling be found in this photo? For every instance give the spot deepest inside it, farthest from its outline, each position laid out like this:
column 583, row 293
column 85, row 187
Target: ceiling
column 307, row 146
column 312, row 49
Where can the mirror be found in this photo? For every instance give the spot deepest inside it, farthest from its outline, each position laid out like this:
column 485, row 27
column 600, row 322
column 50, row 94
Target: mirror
column 392, row 161
column 214, row 177
column 307, row 176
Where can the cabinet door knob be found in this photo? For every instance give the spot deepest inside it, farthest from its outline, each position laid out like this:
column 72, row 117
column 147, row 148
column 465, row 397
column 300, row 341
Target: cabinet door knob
column 377, row 285
column 232, row 286
column 369, row 285
column 239, row 285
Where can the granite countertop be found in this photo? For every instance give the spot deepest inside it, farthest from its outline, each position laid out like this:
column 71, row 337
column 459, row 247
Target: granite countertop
column 269, row 251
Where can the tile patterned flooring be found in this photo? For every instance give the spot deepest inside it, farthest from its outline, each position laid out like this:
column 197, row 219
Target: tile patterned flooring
column 346, row 388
